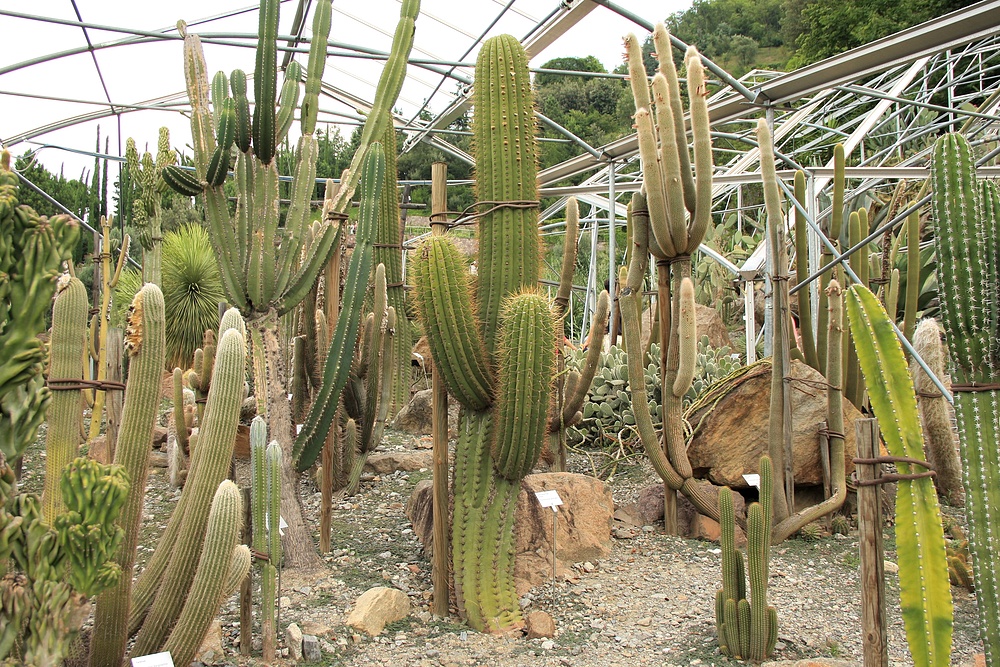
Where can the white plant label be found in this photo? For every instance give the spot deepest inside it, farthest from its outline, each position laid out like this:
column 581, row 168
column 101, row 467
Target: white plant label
column 752, row 480
column 154, row 660
column 549, row 499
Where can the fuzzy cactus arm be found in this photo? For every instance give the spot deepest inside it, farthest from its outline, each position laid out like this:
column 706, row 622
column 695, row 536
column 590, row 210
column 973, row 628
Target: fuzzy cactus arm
column 576, row 395
column 444, row 301
column 687, row 338
column 664, row 56
column 569, row 256
column 925, row 592
column 670, row 162
column 525, row 363
column 698, row 99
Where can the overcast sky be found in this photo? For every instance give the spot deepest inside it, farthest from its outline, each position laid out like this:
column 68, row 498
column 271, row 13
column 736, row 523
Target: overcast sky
column 139, row 72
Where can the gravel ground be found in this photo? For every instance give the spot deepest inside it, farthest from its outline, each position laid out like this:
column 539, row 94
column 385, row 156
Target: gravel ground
column 650, row 602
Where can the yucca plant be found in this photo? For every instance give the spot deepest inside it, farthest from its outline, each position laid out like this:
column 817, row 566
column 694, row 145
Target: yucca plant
column 192, row 291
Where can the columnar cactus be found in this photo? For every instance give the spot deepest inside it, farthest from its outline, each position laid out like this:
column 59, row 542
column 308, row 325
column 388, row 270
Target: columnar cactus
column 64, row 416
column 670, row 226
column 145, row 172
column 261, row 262
column 748, row 629
column 32, row 250
column 966, row 218
column 924, row 589
column 262, row 496
column 494, row 352
column 145, row 343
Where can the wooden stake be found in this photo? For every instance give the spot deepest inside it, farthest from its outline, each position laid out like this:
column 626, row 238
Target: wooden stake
column 439, row 419
column 873, row 623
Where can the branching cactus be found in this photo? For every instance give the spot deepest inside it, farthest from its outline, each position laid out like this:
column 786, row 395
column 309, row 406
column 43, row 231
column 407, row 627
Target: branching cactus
column 966, row 226
column 924, row 588
column 32, row 250
column 748, row 629
column 671, row 226
column 495, row 353
column 146, row 173
column 260, row 262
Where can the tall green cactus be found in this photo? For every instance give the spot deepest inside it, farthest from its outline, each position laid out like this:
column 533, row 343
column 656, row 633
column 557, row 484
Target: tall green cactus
column 486, row 358
column 145, row 171
column 265, row 501
column 748, row 629
column 262, row 264
column 64, row 416
column 145, row 342
column 32, row 250
column 924, row 588
column 966, row 225
column 670, row 226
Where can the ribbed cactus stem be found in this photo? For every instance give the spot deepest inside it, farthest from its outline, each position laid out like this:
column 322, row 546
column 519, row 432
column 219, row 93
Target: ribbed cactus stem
column 966, row 219
column 912, row 297
column 506, row 171
column 180, row 419
column 209, row 466
column 758, row 559
column 211, row 574
column 146, row 345
column 64, row 416
column 802, row 269
column 525, row 363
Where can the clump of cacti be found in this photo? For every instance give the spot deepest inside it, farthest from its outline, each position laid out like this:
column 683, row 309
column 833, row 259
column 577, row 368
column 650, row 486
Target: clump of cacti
column 264, row 270
column 145, row 172
column 748, row 628
column 966, row 215
column 495, row 352
column 32, row 250
column 936, row 413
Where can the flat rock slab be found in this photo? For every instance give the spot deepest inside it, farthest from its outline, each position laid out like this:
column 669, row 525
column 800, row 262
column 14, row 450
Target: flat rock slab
column 386, row 463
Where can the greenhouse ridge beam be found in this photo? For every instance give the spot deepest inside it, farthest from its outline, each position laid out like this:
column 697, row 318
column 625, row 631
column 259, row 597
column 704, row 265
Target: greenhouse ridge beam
column 955, row 29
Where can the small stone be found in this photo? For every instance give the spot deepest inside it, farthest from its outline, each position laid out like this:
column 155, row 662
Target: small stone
column 284, row 601
column 378, row 606
column 310, row 648
column 644, row 622
column 293, row 640
column 548, row 645
column 890, row 567
column 540, row 625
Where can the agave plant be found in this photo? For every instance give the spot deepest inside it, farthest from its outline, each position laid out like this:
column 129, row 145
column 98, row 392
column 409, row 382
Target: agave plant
column 192, row 291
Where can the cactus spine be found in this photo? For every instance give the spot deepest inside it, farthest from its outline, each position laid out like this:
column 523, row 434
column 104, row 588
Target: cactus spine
column 965, row 238
column 748, row 629
column 479, row 356
column 145, row 342
column 924, row 590
column 64, row 417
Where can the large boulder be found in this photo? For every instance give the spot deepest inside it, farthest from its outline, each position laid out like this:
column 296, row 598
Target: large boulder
column 583, row 524
column 730, row 434
column 415, row 417
column 407, row 460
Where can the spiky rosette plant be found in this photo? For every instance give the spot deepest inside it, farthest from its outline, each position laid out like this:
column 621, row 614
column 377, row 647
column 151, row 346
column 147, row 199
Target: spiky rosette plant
column 495, row 352
column 966, row 226
column 264, row 268
column 32, row 250
column 192, row 292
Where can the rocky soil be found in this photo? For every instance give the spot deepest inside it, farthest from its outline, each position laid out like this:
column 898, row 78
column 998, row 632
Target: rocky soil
column 650, row 602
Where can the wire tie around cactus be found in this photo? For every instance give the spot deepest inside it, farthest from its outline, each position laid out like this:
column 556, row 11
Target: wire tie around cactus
column 76, row 384
column 642, row 212
column 930, row 394
column 893, row 477
column 830, row 434
column 260, row 555
column 100, row 257
column 975, row 386
column 676, row 258
column 336, row 216
column 467, row 217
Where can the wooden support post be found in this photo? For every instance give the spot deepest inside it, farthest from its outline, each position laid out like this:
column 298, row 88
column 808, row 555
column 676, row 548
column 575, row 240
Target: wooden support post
column 873, row 623
column 331, row 294
column 439, row 419
column 246, row 588
column 114, row 397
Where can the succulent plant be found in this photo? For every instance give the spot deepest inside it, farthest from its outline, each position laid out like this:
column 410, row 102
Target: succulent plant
column 965, row 216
